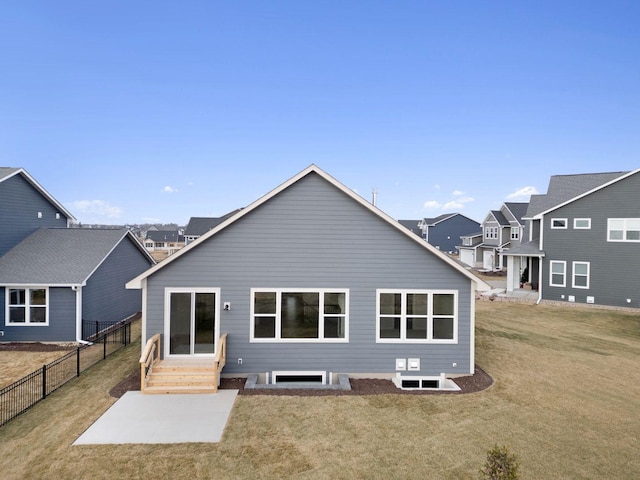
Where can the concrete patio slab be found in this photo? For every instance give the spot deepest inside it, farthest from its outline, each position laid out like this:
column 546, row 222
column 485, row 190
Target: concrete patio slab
column 184, row 418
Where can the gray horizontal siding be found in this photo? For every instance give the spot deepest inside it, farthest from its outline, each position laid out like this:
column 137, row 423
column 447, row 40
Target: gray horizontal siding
column 62, row 320
column 615, row 266
column 20, row 203
column 312, row 235
column 105, row 298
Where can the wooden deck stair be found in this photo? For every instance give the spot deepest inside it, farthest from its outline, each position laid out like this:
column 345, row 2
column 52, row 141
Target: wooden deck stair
column 183, row 376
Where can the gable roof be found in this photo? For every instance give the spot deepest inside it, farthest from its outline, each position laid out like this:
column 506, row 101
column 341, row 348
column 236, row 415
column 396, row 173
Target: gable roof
column 518, row 210
column 8, row 172
column 411, row 225
column 165, row 236
column 500, row 218
column 61, row 256
column 564, row 189
column 137, row 282
column 201, row 225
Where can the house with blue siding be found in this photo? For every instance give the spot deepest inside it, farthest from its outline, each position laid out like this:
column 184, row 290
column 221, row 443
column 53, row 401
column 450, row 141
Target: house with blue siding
column 332, row 285
column 443, row 231
column 583, row 240
column 54, row 279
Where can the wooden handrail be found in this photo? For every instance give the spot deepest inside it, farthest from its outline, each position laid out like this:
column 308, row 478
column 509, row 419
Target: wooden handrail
column 220, row 360
column 150, row 356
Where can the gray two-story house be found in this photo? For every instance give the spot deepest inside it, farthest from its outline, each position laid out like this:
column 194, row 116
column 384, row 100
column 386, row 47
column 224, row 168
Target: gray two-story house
column 583, row 242
column 331, row 285
column 54, row 279
column 501, row 230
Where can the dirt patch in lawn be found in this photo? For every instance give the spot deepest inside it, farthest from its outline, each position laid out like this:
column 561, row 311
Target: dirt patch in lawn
column 477, row 382
column 35, row 347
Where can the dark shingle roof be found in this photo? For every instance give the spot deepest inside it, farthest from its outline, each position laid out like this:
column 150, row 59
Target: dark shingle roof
column 500, row 218
column 200, row 225
column 519, row 210
column 563, row 188
column 411, row 225
column 7, row 172
column 64, row 256
column 164, row 236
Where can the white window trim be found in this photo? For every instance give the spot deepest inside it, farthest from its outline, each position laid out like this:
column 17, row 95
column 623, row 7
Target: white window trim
column 27, row 306
column 564, row 275
column 624, row 230
column 565, row 220
column 167, row 318
column 573, row 275
column 515, row 230
column 576, row 227
column 278, row 338
column 403, row 317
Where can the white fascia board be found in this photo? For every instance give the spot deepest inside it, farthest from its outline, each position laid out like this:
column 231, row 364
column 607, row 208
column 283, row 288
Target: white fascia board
column 540, row 215
column 44, row 192
column 136, row 283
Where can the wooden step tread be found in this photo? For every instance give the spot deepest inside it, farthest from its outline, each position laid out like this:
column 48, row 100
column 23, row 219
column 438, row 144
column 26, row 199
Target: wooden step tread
column 180, row 389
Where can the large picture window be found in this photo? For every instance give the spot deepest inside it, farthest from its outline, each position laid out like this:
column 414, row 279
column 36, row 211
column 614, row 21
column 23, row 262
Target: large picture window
column 27, row 306
column 417, row 316
column 623, row 230
column 300, row 315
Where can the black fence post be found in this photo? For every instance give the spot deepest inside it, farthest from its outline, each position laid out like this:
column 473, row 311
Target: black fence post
column 104, row 346
column 44, row 381
column 78, row 362
column 97, row 329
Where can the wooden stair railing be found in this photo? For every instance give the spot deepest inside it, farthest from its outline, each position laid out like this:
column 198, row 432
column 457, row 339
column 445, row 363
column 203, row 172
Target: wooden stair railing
column 150, row 357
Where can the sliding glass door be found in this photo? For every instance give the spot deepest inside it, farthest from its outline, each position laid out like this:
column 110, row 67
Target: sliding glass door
column 192, row 322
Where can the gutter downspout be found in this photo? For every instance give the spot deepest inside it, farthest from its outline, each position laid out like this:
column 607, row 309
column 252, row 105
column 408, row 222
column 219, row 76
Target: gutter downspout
column 539, row 281
column 78, row 290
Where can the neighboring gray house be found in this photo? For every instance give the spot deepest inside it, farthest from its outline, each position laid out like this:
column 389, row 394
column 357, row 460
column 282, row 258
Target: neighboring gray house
column 444, row 231
column 198, row 226
column 312, row 296
column 26, row 206
column 167, row 241
column 583, row 242
column 56, row 279
column 53, row 277
column 502, row 229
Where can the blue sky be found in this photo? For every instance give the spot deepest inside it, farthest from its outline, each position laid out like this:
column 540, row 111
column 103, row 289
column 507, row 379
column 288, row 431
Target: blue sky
column 156, row 111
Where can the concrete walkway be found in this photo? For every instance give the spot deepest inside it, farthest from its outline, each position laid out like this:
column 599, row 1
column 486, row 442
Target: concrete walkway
column 184, row 418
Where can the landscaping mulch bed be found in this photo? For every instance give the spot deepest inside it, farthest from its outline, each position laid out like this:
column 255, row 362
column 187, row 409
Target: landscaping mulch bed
column 477, row 382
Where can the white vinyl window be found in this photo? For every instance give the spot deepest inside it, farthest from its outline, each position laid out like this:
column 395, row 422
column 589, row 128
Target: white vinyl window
column 581, row 272
column 515, row 233
column 491, row 232
column 559, row 223
column 623, row 230
column 299, row 315
column 27, row 306
column 557, row 273
column 417, row 316
column 582, row 223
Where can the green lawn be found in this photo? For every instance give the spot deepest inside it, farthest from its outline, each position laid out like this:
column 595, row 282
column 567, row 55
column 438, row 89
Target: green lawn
column 566, row 401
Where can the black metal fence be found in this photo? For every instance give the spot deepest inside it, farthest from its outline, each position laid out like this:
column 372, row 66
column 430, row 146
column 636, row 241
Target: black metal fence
column 29, row 390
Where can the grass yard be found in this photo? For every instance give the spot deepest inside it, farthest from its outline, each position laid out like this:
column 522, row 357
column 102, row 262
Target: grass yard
column 566, row 401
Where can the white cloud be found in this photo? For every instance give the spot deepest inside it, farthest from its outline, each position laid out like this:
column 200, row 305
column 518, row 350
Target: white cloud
column 98, row 208
column 466, row 200
column 523, row 193
column 432, row 204
column 457, row 193
column 453, row 205
column 169, row 189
